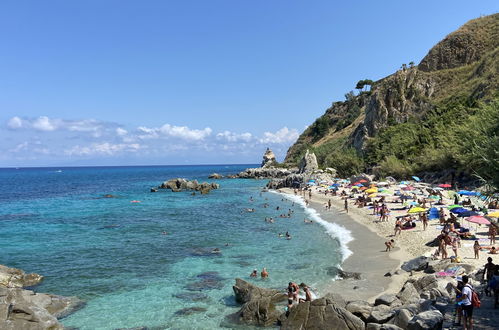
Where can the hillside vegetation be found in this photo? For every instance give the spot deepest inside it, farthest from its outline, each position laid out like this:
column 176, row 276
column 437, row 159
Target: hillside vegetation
column 437, row 119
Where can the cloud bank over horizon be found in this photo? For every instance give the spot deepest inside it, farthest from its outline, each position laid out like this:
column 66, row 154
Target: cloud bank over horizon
column 45, row 141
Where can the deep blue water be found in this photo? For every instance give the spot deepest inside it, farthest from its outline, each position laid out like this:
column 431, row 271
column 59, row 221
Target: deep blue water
column 113, row 254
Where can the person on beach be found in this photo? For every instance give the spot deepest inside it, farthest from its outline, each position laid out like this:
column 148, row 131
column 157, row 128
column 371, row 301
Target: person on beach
column 346, row 205
column 389, row 245
column 488, row 274
column 293, row 289
column 424, row 219
column 476, row 249
column 398, row 227
column 264, row 273
column 254, row 273
column 442, row 246
column 329, row 204
column 310, row 194
column 492, row 234
column 308, row 294
column 459, row 292
column 454, row 246
column 467, row 306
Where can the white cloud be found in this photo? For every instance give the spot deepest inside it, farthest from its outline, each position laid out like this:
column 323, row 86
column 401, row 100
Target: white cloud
column 284, row 135
column 181, row 132
column 105, row 148
column 15, row 123
column 44, row 123
column 234, row 137
column 121, row 131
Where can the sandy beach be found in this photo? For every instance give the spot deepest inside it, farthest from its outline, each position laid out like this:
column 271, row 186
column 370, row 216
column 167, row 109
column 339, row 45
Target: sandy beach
column 369, row 257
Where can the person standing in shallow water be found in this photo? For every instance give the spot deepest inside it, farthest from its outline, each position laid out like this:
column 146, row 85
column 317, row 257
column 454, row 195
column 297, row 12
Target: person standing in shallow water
column 346, row 205
column 264, row 273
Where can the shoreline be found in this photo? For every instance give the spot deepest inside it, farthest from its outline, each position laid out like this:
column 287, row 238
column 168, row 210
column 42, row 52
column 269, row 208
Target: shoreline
column 367, row 257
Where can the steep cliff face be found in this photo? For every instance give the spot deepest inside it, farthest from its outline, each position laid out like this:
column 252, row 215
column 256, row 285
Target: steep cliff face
column 464, row 64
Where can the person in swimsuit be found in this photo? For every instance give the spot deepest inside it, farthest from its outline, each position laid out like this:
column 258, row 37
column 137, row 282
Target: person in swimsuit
column 254, row 273
column 264, row 273
column 346, row 205
column 308, row 294
column 294, row 289
column 398, row 227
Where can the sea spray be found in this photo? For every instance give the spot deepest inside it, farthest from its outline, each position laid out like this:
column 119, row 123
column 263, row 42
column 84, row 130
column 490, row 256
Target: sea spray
column 340, row 233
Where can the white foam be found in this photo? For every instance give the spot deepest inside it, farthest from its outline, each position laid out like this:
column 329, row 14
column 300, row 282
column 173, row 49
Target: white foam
column 340, row 233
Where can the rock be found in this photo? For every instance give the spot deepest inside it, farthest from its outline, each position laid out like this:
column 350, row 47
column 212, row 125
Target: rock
column 388, row 274
column 215, row 176
column 265, row 173
column 192, row 296
column 154, row 189
column 408, row 293
column 359, row 308
column 401, row 318
column 415, row 264
column 426, row 283
column 319, row 314
column 16, row 278
column 179, row 184
column 335, row 298
column 386, row 326
column 429, row 320
column 335, row 271
column 268, row 158
column 381, row 314
column 245, row 291
column 308, row 163
column 437, row 266
column 190, row 311
column 385, row 299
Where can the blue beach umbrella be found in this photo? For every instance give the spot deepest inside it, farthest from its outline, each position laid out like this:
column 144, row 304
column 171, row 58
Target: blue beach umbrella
column 416, row 178
column 467, row 214
column 458, row 210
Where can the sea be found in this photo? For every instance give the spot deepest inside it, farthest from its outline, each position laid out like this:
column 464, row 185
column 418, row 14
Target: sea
column 149, row 259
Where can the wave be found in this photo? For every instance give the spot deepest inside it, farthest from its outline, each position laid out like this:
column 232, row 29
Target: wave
column 340, row 233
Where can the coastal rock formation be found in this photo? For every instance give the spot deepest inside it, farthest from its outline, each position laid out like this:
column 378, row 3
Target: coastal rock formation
column 180, row 184
column 265, row 173
column 259, row 304
column 308, row 163
column 429, row 320
column 16, row 278
column 321, row 313
column 215, row 176
column 24, row 309
column 268, row 158
column 416, row 264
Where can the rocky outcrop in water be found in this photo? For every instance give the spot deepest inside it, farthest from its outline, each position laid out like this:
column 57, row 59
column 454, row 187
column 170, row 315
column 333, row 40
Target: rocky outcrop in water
column 22, row 309
column 180, row 184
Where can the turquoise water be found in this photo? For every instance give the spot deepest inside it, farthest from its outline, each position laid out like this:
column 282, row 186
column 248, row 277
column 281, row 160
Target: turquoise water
column 113, row 254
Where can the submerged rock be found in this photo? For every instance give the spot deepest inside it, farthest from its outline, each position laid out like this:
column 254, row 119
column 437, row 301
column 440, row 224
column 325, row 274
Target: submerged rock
column 190, row 310
column 192, row 296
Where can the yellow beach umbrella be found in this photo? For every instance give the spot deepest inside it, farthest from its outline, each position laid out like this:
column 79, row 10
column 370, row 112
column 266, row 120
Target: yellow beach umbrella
column 372, row 195
column 493, row 214
column 371, row 190
column 416, row 210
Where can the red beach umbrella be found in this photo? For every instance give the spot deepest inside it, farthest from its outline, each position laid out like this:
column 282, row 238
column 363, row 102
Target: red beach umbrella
column 363, row 180
column 444, row 185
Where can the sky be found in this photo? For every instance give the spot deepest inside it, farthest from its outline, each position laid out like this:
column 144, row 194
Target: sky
column 103, row 82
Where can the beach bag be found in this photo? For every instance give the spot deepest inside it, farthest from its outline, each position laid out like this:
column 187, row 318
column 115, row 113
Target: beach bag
column 475, row 300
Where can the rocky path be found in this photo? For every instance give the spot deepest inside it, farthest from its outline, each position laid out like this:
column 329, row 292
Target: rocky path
column 485, row 318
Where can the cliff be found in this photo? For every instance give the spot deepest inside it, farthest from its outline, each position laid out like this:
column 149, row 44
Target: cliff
column 459, row 70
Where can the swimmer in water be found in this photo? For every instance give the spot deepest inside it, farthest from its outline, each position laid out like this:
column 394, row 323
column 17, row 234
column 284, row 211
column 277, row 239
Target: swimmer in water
column 254, row 273
column 288, row 236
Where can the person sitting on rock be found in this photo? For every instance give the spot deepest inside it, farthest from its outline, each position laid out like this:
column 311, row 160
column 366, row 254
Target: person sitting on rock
column 308, row 294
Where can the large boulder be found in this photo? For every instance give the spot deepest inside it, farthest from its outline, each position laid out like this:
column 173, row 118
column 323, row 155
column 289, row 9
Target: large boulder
column 308, row 163
column 268, row 158
column 401, row 318
column 408, row 294
column 261, row 312
column 245, row 292
column 429, row 320
column 381, row 314
column 16, row 278
column 426, row 283
column 180, row 184
column 386, row 326
column 386, row 299
column 415, row 264
column 321, row 314
column 360, row 308
column 215, row 176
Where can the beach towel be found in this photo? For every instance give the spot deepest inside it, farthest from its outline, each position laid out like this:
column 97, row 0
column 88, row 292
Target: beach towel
column 451, row 271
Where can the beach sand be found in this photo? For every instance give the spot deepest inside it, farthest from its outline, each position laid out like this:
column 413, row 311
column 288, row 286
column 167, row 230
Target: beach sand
column 369, row 257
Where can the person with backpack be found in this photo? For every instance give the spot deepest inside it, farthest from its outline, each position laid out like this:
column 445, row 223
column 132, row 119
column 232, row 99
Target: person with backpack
column 469, row 300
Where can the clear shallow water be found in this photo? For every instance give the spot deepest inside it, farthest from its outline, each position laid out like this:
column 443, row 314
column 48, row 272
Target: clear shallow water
column 112, row 253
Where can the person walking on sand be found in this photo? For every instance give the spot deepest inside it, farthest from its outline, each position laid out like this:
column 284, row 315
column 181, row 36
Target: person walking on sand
column 476, row 249
column 424, row 219
column 329, row 204
column 264, row 273
column 454, row 246
column 492, row 234
column 346, row 205
column 398, row 227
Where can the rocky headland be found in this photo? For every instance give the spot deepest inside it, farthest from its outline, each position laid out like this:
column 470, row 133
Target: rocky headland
column 23, row 309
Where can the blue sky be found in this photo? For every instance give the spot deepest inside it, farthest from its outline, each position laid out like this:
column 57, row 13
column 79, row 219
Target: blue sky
column 100, row 82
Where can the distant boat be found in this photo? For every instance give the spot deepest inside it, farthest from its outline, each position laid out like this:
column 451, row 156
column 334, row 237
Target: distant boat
column 58, row 171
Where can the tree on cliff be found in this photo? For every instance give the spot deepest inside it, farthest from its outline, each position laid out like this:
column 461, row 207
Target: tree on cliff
column 362, row 84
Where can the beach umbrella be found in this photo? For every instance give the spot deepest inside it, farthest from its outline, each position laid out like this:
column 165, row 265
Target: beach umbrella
column 494, row 214
column 372, row 195
column 458, row 210
column 382, row 183
column 467, row 214
column 444, row 185
column 408, row 188
column 416, row 210
column 437, row 188
column 335, row 185
column 404, row 182
column 467, row 193
column 434, row 197
column 363, row 188
column 478, row 219
column 416, row 178
column 363, row 180
column 371, row 190
column 355, row 188
column 453, row 206
column 414, row 203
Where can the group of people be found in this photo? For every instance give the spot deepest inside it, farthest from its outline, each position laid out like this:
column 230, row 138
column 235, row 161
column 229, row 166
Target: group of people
column 264, row 273
column 293, row 291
